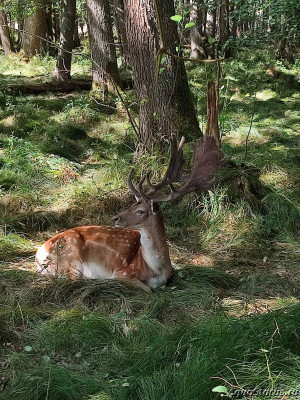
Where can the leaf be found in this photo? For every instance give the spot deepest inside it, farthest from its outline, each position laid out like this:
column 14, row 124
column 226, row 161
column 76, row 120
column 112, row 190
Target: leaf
column 161, row 70
column 212, row 40
column 46, row 359
column 125, row 384
column 28, row 348
column 78, row 355
column 176, row 18
column 220, row 389
column 121, row 314
column 189, row 25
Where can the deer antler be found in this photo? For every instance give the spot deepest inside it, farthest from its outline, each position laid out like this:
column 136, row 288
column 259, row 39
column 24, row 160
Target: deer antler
column 207, row 160
column 173, row 173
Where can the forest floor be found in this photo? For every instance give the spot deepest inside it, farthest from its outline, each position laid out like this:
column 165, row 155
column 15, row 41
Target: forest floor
column 230, row 317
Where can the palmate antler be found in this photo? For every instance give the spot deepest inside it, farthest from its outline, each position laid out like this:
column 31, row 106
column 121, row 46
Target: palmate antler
column 207, row 160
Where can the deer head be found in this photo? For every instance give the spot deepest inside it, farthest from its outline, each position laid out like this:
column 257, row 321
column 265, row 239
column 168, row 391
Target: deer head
column 207, row 160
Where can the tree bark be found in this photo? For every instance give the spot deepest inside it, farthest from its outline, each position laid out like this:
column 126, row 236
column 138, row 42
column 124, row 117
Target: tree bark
column 197, row 35
column 165, row 103
column 56, row 28
column 224, row 26
column 35, row 32
column 64, row 58
column 103, row 52
column 76, row 38
column 212, row 124
column 121, row 28
column 4, row 31
column 211, row 22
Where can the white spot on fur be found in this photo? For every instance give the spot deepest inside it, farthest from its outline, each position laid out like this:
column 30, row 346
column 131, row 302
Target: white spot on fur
column 74, row 241
column 124, row 273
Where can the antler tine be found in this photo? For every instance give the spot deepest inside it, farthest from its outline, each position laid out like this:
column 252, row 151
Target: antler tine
column 131, row 186
column 174, row 170
column 141, row 190
column 207, row 160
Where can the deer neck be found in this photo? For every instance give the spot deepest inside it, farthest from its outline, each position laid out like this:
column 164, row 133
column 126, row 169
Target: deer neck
column 155, row 249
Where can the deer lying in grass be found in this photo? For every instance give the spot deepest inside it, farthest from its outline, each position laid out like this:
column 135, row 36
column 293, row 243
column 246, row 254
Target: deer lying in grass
column 136, row 247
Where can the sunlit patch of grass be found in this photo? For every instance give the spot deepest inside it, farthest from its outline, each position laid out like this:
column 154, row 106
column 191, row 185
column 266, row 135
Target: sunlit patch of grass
column 15, row 65
column 13, row 245
column 8, row 122
column 265, row 95
column 235, row 233
column 278, row 177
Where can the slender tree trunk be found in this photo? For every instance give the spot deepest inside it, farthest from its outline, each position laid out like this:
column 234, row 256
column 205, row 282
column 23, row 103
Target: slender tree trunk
column 212, row 125
column 35, row 32
column 224, row 25
column 103, row 51
column 56, row 28
column 76, row 38
column 197, row 36
column 4, row 31
column 165, row 103
column 120, row 25
column 233, row 31
column 50, row 30
column 64, row 58
column 211, row 29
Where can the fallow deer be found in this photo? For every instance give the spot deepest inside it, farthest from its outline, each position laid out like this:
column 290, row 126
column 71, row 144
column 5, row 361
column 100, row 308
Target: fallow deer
column 136, row 247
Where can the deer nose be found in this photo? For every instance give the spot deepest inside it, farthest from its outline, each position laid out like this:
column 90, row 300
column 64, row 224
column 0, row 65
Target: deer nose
column 116, row 218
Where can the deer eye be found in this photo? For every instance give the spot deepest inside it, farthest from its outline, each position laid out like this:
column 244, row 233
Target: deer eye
column 141, row 212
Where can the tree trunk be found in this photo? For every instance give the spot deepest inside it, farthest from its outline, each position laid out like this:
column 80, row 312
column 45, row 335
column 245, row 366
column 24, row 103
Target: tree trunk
column 50, row 30
column 212, row 124
column 56, row 28
column 4, row 31
column 211, row 29
column 64, row 58
column 103, row 52
column 165, row 103
column 233, row 31
column 224, row 26
column 35, row 31
column 76, row 38
column 120, row 24
column 197, row 37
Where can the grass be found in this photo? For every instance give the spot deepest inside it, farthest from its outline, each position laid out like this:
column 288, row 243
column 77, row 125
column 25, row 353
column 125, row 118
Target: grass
column 230, row 315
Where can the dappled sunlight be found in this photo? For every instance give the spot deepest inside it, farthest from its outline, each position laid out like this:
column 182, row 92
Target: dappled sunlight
column 266, row 94
column 245, row 307
column 9, row 121
column 238, row 137
column 278, row 177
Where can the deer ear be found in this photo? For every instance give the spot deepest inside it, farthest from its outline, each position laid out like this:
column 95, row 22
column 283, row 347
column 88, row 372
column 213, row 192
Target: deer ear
column 154, row 207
